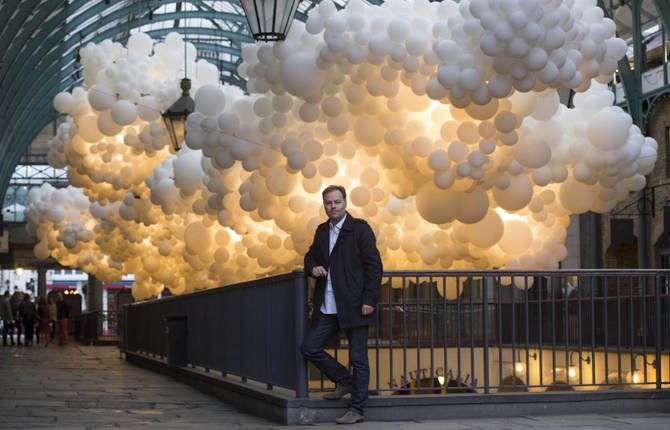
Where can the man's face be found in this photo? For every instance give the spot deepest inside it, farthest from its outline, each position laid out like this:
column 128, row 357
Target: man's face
column 335, row 205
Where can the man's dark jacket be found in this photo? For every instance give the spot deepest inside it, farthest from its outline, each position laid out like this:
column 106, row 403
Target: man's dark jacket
column 355, row 270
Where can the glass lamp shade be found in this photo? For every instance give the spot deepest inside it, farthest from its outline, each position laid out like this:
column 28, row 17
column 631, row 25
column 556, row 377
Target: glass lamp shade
column 175, row 116
column 270, row 19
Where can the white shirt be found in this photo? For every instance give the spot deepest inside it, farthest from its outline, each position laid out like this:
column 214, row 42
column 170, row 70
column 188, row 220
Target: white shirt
column 328, row 306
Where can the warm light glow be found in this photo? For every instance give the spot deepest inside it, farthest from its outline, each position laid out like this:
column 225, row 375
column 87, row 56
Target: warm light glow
column 19, row 271
column 637, row 377
column 520, row 367
column 440, row 379
column 572, row 372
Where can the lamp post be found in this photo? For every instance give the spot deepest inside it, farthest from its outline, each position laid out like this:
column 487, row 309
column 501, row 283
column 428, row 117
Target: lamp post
column 270, row 20
column 175, row 116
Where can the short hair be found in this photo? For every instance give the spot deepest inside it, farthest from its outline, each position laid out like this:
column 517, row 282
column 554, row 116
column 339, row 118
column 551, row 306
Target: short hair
column 331, row 188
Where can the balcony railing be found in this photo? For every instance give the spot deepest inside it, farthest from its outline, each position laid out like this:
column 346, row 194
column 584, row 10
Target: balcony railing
column 436, row 332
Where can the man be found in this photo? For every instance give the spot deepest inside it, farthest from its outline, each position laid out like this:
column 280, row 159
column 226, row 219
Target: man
column 62, row 314
column 346, row 264
column 7, row 319
column 16, row 300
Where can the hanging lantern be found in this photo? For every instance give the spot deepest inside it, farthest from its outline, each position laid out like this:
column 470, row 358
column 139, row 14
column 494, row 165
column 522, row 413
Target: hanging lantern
column 175, row 116
column 270, row 19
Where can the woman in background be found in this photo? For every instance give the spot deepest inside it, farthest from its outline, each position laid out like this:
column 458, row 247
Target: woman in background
column 53, row 315
column 43, row 314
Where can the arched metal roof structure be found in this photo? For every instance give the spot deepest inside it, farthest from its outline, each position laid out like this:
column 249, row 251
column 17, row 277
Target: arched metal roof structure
column 40, row 39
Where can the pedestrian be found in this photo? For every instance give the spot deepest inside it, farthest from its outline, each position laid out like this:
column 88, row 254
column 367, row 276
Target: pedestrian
column 7, row 317
column 18, row 323
column 28, row 316
column 346, row 264
column 62, row 313
column 53, row 315
column 43, row 314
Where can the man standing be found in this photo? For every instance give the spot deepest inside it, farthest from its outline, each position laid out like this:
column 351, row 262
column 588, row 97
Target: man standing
column 62, row 313
column 7, row 319
column 346, row 264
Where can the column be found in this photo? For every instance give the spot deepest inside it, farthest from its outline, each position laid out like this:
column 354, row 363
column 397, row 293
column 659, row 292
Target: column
column 93, row 294
column 41, row 281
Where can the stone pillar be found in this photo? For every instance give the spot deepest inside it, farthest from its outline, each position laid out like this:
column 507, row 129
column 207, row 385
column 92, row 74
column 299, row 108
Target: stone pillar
column 93, row 294
column 42, row 281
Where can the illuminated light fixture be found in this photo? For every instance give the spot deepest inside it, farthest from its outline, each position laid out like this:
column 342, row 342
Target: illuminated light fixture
column 19, row 271
column 175, row 116
column 520, row 366
column 440, row 379
column 572, row 369
column 270, row 20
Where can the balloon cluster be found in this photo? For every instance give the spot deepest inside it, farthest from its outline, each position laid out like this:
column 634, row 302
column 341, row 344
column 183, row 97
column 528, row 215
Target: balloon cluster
column 442, row 120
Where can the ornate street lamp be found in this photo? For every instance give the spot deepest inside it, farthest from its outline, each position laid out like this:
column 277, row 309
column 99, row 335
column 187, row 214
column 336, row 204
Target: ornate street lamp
column 270, row 19
column 175, row 116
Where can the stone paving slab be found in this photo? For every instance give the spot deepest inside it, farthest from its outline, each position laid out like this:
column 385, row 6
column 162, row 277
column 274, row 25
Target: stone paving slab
column 82, row 387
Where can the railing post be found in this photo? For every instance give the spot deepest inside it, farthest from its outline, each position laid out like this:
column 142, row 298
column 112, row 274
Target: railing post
column 300, row 330
column 485, row 306
column 97, row 325
column 658, row 340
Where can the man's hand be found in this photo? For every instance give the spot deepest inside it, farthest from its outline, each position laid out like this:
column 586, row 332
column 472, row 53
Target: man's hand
column 319, row 271
column 367, row 309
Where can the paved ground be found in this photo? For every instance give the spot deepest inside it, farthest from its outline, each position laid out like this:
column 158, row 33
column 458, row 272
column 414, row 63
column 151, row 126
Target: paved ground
column 81, row 387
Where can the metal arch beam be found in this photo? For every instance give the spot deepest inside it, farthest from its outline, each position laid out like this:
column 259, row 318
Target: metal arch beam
column 106, row 20
column 110, row 32
column 55, row 56
column 663, row 9
column 10, row 29
column 25, row 51
column 160, row 32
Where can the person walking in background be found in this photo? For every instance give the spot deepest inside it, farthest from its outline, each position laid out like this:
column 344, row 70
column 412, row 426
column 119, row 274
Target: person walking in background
column 348, row 269
column 62, row 313
column 28, row 316
column 7, row 317
column 18, row 326
column 43, row 314
column 53, row 315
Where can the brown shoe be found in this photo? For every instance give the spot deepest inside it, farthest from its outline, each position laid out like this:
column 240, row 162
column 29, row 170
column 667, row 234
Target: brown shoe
column 350, row 417
column 339, row 392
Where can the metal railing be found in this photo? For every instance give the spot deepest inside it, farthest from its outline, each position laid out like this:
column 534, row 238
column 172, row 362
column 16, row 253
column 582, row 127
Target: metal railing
column 471, row 331
column 100, row 326
column 252, row 330
column 435, row 332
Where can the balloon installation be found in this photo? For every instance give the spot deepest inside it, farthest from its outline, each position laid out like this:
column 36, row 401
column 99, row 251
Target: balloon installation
column 442, row 120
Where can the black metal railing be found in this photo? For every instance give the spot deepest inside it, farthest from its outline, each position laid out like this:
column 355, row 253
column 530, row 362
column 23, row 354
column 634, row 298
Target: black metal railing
column 252, row 330
column 436, row 332
column 100, row 326
column 488, row 331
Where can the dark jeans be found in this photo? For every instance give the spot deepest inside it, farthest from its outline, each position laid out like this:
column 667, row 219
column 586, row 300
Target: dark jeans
column 7, row 327
column 312, row 349
column 28, row 331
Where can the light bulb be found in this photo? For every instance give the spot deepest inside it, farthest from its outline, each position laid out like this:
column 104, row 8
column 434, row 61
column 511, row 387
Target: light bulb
column 520, row 367
column 440, row 379
column 572, row 372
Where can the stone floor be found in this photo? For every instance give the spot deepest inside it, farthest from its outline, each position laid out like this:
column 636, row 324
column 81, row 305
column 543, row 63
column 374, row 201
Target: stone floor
column 82, row 387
